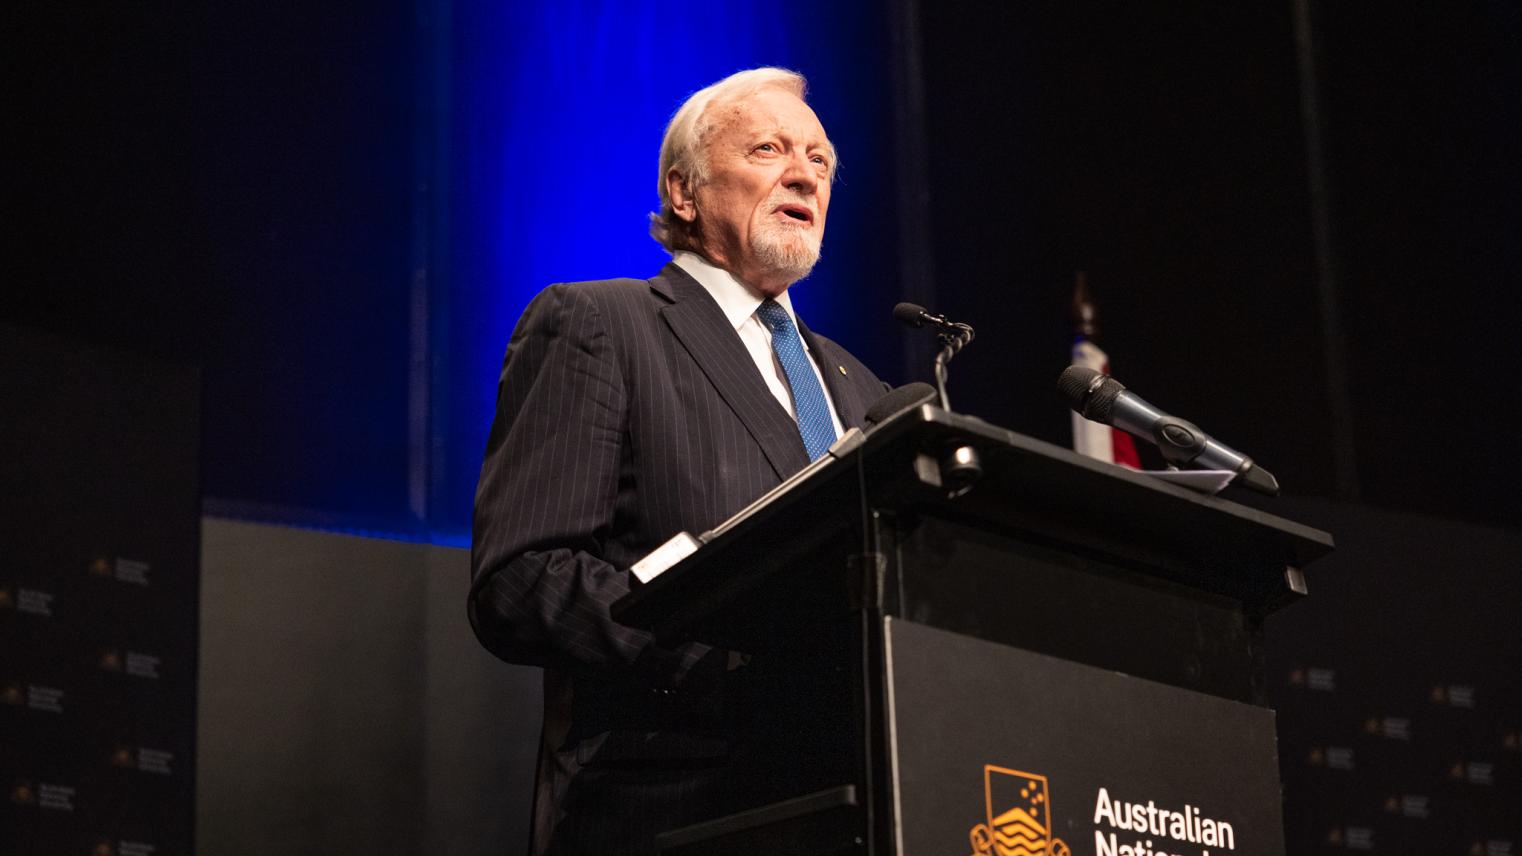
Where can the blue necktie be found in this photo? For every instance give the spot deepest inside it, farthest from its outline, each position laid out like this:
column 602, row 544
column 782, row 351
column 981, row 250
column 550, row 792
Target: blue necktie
column 808, row 396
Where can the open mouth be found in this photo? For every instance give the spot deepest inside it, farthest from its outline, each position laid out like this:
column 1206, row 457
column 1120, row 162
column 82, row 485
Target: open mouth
column 798, row 212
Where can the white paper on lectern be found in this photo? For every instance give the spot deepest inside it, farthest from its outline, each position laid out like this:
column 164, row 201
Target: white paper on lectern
column 1204, row 481
column 655, row 563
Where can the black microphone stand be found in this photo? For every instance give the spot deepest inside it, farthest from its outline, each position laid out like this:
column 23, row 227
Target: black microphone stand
column 960, row 466
column 953, row 338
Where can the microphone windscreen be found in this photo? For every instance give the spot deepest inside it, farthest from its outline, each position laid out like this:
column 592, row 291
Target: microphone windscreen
column 897, row 401
column 910, row 314
column 1075, row 384
column 1101, row 404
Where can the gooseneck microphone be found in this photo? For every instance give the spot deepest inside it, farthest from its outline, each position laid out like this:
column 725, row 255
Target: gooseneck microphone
column 1104, row 399
column 916, row 316
column 953, row 336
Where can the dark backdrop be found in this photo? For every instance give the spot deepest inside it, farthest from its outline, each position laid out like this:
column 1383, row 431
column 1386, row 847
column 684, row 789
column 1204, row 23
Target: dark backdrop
column 248, row 190
column 228, row 186
column 1423, row 122
column 1159, row 149
column 1162, row 148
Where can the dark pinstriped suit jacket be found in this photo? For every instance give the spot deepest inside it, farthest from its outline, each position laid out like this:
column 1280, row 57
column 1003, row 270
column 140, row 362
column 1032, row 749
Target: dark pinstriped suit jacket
column 627, row 411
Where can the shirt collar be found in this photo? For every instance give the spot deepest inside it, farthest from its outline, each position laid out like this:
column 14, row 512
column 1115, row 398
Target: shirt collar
column 738, row 300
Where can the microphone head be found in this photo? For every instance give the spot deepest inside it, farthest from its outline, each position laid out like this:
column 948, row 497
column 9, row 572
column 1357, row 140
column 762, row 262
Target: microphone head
column 910, row 314
column 1073, row 385
column 1090, row 393
column 897, row 401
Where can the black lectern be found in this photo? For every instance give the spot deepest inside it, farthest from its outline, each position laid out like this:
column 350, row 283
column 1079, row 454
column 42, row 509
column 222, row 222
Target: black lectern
column 961, row 637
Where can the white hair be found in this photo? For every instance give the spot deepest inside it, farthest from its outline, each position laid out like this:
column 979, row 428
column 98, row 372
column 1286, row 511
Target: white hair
column 685, row 143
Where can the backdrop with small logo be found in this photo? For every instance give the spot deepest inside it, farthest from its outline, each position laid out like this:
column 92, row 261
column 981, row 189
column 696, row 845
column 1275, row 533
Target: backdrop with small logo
column 98, row 597
column 1398, row 689
column 1005, row 752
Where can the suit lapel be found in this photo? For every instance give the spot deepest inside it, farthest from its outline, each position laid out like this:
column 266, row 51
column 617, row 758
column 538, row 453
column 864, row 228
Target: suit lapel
column 699, row 324
column 848, row 406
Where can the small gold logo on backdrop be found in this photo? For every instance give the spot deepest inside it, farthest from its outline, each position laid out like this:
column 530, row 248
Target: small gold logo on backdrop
column 1022, row 826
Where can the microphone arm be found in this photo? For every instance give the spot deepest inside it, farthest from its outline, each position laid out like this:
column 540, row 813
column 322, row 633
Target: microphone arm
column 953, row 336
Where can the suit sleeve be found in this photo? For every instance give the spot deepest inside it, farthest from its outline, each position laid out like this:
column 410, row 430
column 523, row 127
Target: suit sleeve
column 540, row 589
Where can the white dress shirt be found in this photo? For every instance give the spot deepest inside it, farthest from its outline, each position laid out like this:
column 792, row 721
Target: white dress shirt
column 739, row 303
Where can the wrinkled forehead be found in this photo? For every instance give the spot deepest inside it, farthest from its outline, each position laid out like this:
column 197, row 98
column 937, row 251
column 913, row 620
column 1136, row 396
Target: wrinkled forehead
column 768, row 111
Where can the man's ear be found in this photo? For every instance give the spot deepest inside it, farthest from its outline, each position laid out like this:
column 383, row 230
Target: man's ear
column 683, row 203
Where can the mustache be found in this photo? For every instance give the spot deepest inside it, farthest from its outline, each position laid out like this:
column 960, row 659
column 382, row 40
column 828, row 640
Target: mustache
column 790, row 198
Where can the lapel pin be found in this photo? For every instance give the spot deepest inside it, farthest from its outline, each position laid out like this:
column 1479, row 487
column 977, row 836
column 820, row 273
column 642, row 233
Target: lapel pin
column 842, row 369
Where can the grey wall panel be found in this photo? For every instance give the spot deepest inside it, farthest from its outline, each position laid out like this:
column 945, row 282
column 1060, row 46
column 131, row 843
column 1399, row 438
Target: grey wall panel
column 345, row 706
column 481, row 727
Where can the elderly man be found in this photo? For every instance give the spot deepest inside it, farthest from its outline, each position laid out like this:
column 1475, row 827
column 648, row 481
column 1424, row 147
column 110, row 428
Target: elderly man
column 629, row 410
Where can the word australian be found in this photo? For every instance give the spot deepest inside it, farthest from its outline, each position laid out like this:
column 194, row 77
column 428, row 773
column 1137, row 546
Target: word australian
column 1147, row 818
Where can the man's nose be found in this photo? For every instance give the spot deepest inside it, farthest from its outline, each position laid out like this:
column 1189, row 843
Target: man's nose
column 799, row 176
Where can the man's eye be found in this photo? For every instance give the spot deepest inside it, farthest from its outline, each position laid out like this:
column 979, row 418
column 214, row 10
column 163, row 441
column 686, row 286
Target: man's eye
column 766, row 147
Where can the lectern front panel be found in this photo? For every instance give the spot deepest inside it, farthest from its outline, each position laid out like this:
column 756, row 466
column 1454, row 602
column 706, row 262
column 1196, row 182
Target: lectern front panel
column 996, row 750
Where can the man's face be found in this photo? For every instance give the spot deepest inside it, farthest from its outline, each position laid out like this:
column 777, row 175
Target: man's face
column 761, row 211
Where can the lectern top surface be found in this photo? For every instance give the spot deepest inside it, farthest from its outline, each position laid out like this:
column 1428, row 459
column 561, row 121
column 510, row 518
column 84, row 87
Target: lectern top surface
column 1026, row 485
column 1098, row 479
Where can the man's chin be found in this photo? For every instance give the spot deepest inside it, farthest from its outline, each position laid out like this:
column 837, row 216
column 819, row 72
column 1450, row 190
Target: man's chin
column 792, row 258
column 791, row 268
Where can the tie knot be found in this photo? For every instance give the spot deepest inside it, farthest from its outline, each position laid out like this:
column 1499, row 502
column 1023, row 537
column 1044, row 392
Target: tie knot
column 774, row 316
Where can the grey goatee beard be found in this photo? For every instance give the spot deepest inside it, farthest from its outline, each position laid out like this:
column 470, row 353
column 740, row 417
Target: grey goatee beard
column 787, row 250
